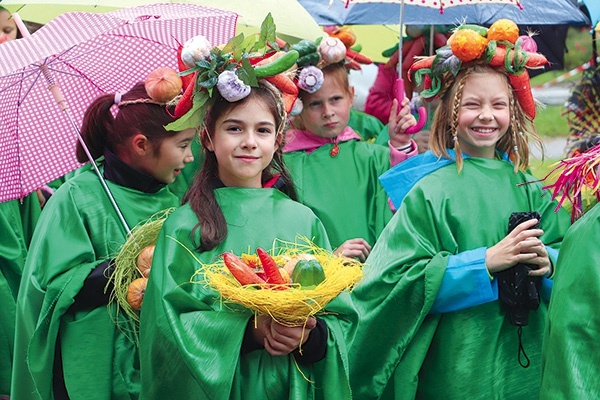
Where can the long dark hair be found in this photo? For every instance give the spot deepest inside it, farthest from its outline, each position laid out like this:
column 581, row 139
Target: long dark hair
column 137, row 113
column 201, row 196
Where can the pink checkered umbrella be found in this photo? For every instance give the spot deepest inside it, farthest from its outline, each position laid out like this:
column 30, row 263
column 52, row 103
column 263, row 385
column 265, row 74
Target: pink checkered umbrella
column 83, row 55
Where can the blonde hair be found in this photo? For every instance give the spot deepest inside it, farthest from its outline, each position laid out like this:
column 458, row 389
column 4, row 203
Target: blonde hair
column 445, row 121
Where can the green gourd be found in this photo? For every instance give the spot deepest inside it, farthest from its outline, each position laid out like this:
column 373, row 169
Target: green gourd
column 305, row 47
column 308, row 273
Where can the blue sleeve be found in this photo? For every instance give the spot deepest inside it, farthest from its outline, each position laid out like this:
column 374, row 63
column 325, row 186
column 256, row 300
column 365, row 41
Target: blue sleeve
column 466, row 283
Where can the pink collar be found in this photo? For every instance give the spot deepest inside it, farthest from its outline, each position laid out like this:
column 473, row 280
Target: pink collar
column 304, row 140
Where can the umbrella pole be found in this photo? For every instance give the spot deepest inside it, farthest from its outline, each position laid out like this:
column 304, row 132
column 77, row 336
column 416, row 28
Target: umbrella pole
column 400, row 82
column 57, row 94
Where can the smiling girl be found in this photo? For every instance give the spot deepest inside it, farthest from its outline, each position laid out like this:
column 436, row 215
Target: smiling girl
column 241, row 199
column 69, row 344
column 430, row 282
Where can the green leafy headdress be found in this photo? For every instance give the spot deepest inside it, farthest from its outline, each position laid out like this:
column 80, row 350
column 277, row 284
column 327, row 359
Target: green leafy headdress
column 231, row 70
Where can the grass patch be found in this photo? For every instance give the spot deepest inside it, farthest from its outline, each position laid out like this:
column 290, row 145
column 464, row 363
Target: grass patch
column 540, row 169
column 549, row 122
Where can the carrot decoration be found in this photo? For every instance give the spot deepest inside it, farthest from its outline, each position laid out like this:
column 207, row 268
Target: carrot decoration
column 240, row 270
column 423, row 62
column 535, row 60
column 496, row 54
column 284, row 83
column 186, row 102
column 522, row 88
column 270, row 267
column 356, row 56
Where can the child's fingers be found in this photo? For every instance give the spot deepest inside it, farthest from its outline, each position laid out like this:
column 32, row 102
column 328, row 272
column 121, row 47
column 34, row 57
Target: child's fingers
column 523, row 226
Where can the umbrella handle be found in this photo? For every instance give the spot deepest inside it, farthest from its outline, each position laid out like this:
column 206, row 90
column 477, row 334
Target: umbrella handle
column 422, row 110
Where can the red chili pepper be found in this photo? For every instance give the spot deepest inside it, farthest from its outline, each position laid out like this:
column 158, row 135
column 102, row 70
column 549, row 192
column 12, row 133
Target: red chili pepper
column 240, row 270
column 186, row 101
column 270, row 267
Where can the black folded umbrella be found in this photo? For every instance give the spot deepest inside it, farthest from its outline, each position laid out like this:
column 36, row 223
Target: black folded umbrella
column 518, row 292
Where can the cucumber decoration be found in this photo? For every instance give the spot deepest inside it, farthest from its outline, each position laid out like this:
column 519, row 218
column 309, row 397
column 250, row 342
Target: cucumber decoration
column 278, row 66
column 304, row 47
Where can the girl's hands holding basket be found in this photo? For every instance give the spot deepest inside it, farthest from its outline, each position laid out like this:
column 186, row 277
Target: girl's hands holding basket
column 278, row 339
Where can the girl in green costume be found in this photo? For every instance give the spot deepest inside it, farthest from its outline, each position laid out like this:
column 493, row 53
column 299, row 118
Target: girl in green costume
column 70, row 343
column 431, row 323
column 335, row 173
column 193, row 345
column 17, row 221
column 570, row 364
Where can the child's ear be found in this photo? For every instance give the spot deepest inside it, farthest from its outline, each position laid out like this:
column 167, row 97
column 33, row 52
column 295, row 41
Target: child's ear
column 351, row 92
column 141, row 145
column 206, row 141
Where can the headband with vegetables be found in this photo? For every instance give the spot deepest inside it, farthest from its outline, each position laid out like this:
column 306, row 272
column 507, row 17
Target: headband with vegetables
column 232, row 70
column 315, row 55
column 500, row 46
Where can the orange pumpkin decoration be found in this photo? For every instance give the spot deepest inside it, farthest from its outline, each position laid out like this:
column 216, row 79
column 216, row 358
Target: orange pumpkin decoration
column 467, row 45
column 135, row 293
column 503, row 29
column 144, row 260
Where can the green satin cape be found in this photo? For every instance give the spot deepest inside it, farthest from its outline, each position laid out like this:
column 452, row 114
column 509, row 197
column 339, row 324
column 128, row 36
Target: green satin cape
column 77, row 230
column 17, row 221
column 571, row 364
column 344, row 191
column 398, row 348
column 190, row 340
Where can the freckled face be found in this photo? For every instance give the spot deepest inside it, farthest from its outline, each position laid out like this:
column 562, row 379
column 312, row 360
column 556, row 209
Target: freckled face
column 244, row 142
column 484, row 116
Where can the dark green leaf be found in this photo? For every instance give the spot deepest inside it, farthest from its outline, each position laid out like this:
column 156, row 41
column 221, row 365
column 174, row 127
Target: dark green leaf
column 246, row 73
column 203, row 64
column 210, row 82
column 189, row 71
column 267, row 30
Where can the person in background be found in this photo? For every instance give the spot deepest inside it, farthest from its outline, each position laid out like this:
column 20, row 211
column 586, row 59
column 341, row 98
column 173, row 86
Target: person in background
column 570, row 347
column 8, row 28
column 18, row 218
column 431, row 285
column 71, row 341
column 335, row 172
column 416, row 44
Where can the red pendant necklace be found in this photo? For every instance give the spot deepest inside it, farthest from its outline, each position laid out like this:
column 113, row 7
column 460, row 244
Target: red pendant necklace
column 334, row 150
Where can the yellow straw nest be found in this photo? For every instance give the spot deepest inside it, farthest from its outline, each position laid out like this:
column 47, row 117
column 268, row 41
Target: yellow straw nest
column 287, row 304
column 126, row 268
